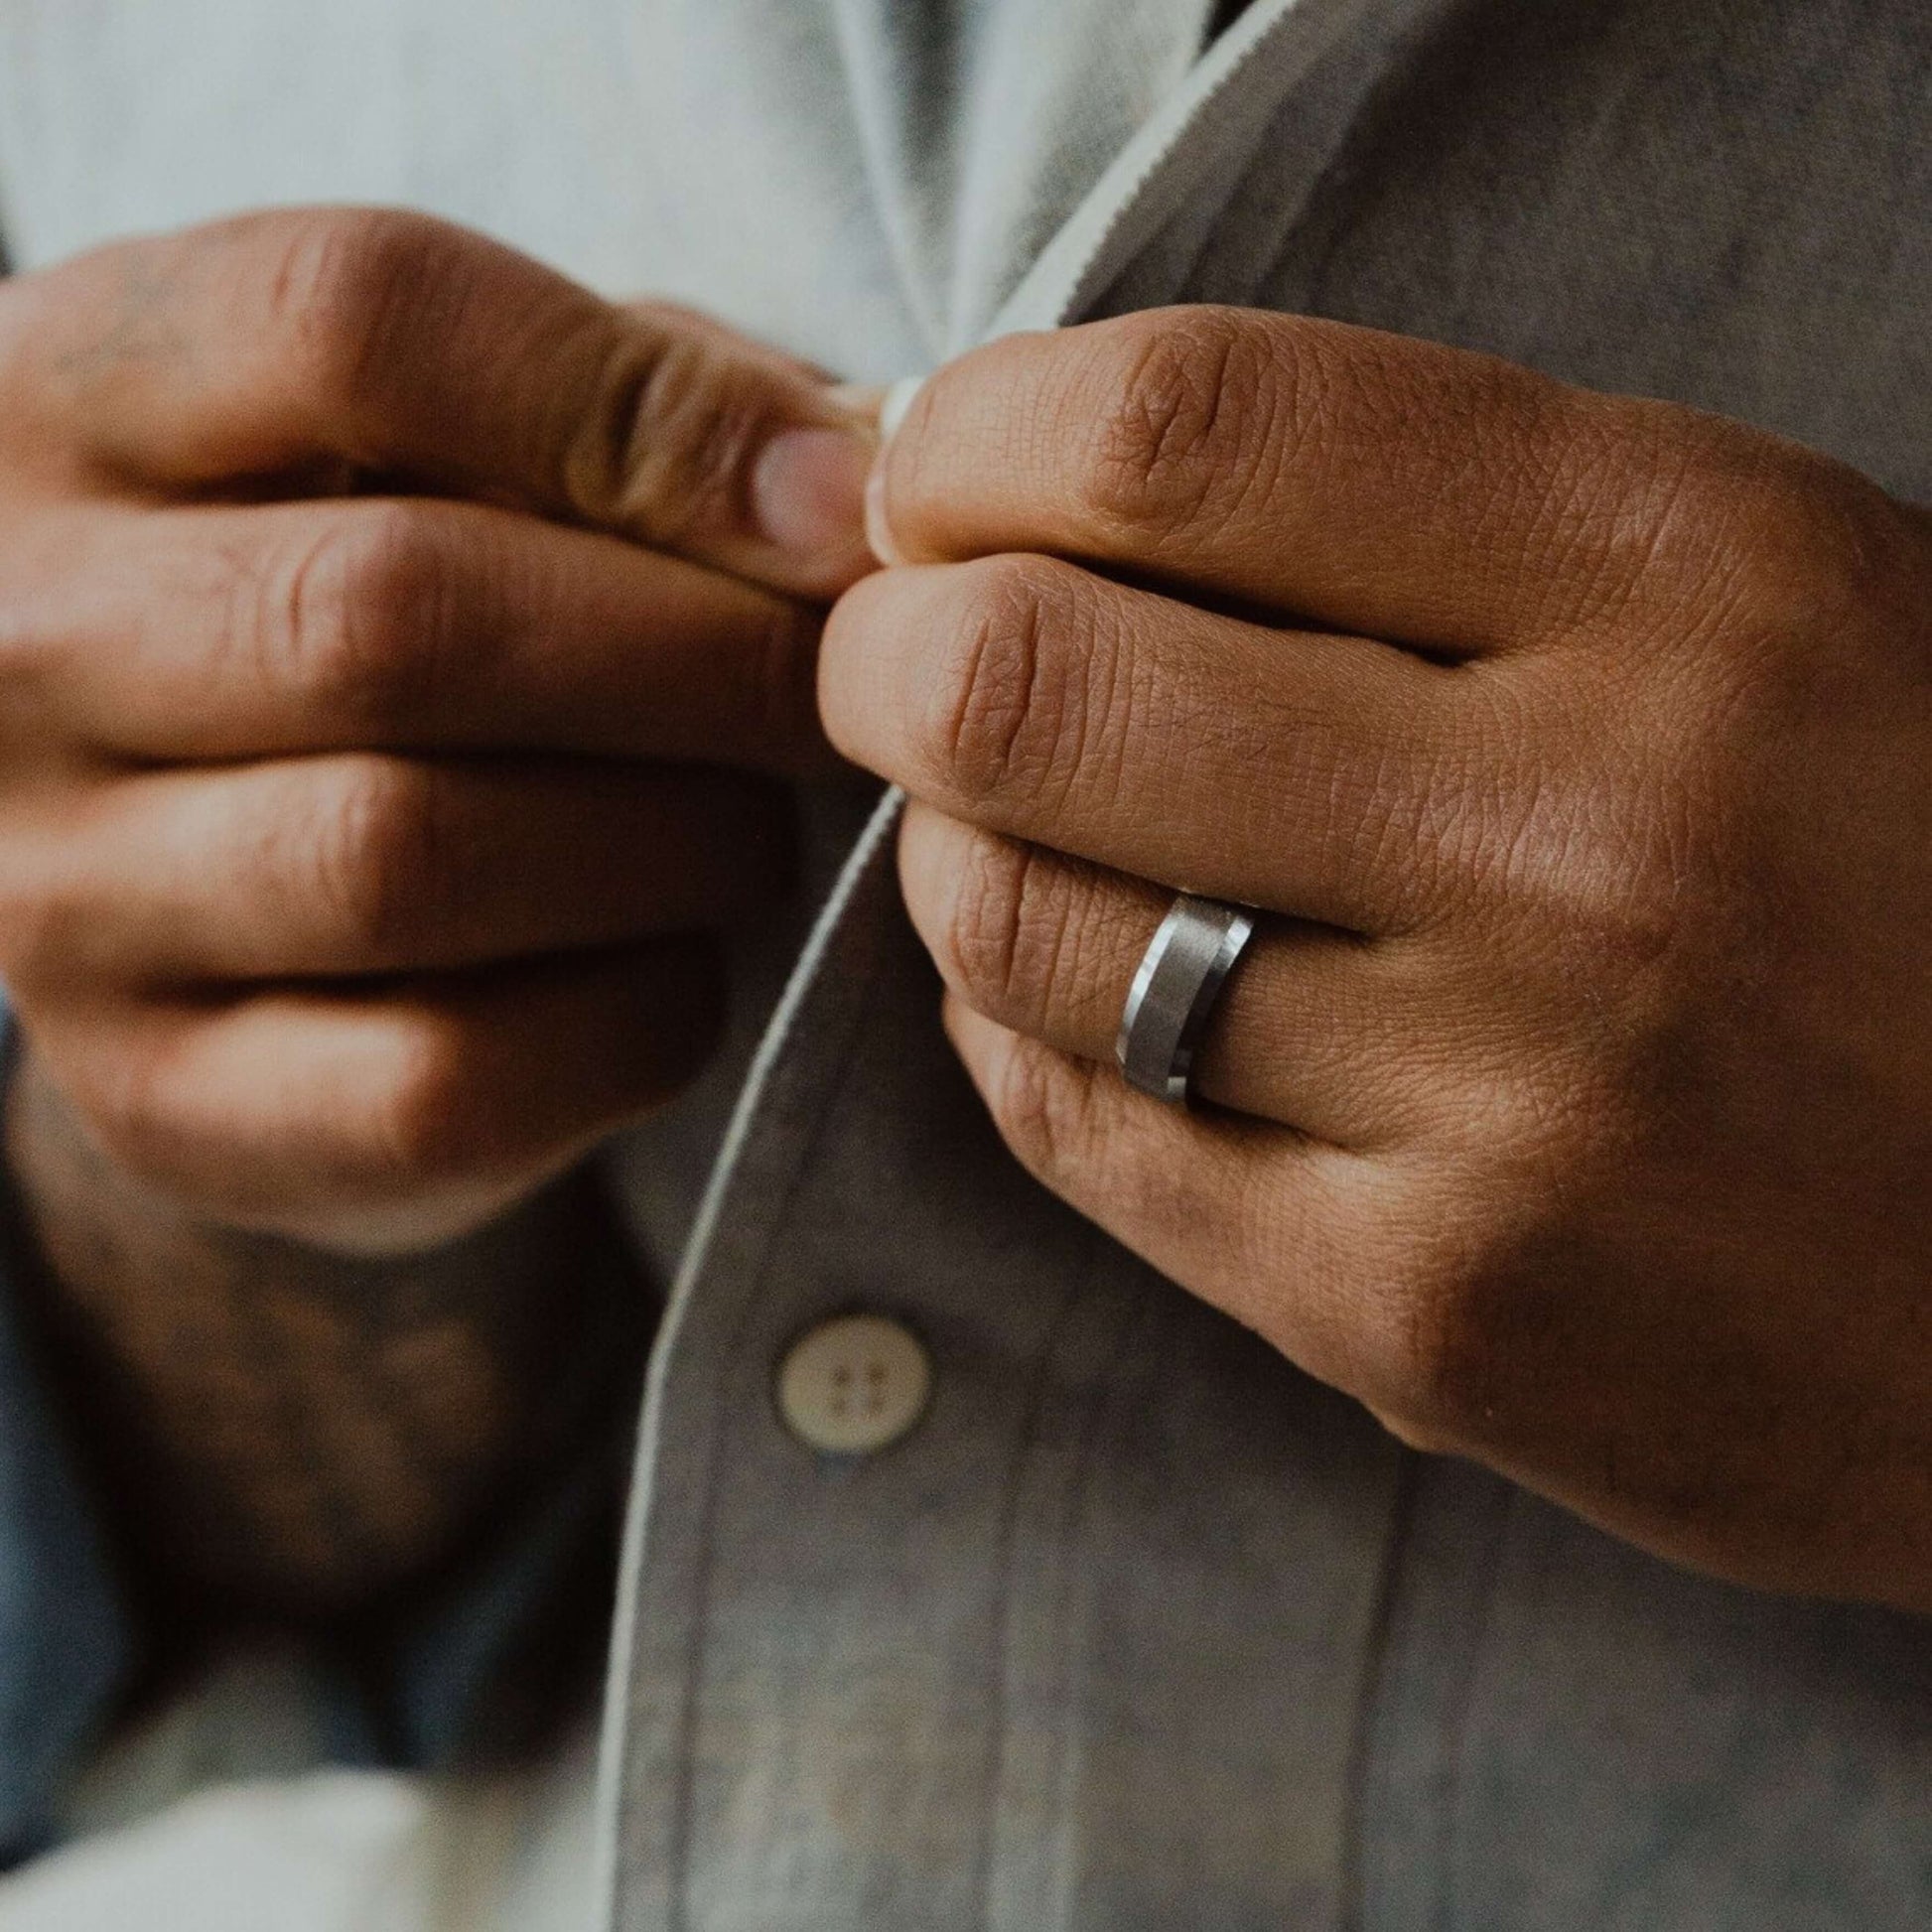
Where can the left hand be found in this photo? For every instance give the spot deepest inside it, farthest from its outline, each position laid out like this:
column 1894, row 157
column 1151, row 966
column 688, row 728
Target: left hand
column 1573, row 1104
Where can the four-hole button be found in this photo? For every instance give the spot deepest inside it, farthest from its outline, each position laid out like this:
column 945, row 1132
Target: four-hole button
column 854, row 1384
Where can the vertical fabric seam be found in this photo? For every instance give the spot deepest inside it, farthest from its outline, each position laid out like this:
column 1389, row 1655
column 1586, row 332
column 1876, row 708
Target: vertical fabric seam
column 999, row 1620
column 611, row 1878
column 1084, row 1292
column 1351, row 1916
column 677, row 1861
column 1080, row 264
column 1448, row 1910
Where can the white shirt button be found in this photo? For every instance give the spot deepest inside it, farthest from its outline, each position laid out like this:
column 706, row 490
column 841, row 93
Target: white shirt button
column 854, row 1384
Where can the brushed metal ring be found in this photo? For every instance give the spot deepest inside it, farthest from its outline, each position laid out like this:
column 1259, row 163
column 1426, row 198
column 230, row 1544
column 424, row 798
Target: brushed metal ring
column 1179, row 980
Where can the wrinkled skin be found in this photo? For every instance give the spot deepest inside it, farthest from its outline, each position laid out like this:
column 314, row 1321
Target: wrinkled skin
column 1573, row 1106
column 383, row 677
column 400, row 653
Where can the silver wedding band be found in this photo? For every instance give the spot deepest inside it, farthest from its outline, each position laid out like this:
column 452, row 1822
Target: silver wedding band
column 1172, row 997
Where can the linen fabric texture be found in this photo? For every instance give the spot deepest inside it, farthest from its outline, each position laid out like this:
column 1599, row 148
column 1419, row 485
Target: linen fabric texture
column 1140, row 1629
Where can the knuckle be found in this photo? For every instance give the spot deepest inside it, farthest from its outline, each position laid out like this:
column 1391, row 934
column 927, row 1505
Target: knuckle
column 51, row 559
column 1437, row 1384
column 384, row 857
column 354, row 621
column 1764, row 543
column 1186, row 418
column 1025, row 932
column 1823, row 549
column 128, row 1122
column 47, row 928
column 342, row 284
column 1441, row 1380
column 1662, row 874
column 131, row 1104
column 1009, row 700
column 664, row 448
column 1596, row 855
column 1044, row 1110
column 1616, row 874
column 1003, row 929
column 431, row 1121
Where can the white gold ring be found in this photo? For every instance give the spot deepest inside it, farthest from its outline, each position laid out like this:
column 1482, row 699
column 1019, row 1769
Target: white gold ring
column 1180, row 978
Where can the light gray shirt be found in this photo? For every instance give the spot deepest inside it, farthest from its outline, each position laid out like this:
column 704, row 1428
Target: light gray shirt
column 1136, row 1627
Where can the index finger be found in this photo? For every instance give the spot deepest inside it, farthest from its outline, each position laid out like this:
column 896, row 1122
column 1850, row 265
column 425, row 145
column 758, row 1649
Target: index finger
column 1364, row 482
column 336, row 343
column 218, row 633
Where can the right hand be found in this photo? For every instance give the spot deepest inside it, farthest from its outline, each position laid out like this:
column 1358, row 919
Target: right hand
column 391, row 634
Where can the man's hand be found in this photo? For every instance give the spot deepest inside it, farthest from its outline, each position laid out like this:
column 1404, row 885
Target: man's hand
column 1573, row 1105
column 400, row 649
column 362, row 793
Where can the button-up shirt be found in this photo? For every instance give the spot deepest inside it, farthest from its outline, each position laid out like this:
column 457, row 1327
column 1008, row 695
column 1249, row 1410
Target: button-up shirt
column 1121, row 1622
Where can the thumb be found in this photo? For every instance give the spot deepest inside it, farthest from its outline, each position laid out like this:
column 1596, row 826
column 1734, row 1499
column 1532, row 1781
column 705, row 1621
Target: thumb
column 412, row 349
column 727, row 452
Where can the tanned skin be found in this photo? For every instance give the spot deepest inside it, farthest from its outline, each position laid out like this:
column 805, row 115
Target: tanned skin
column 403, row 654
column 1572, row 1106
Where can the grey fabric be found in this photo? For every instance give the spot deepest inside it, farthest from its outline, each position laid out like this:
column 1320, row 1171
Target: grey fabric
column 1087, row 1637
column 1140, row 1629
column 1569, row 1735
column 1561, row 1731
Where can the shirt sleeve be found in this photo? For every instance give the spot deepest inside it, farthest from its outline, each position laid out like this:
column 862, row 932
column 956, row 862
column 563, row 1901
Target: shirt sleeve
column 425, row 1685
column 64, row 1643
column 64, row 1640
column 66, row 1646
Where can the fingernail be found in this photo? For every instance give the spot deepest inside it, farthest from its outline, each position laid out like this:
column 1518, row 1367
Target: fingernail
column 888, row 408
column 893, row 405
column 862, row 401
column 878, row 532
column 808, row 492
